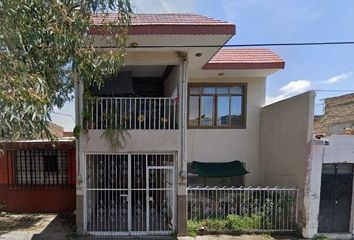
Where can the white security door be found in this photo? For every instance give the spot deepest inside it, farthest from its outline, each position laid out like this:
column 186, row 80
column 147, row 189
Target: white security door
column 130, row 194
column 160, row 194
column 107, row 189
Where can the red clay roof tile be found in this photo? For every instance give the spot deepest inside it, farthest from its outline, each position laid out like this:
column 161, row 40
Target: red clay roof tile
column 245, row 58
column 178, row 23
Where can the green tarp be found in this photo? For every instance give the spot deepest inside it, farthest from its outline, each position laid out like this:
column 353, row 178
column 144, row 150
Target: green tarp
column 220, row 169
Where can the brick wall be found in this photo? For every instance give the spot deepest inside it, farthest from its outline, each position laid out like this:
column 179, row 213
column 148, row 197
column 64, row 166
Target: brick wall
column 339, row 114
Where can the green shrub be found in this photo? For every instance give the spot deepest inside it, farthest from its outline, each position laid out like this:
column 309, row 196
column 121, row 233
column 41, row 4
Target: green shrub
column 215, row 224
column 193, row 227
column 236, row 222
column 231, row 223
column 320, row 237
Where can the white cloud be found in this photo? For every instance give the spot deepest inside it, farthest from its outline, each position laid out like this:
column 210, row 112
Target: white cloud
column 270, row 99
column 163, row 6
column 338, row 78
column 289, row 90
column 294, row 87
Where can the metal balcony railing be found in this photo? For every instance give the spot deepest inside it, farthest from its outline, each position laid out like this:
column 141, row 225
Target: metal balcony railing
column 131, row 113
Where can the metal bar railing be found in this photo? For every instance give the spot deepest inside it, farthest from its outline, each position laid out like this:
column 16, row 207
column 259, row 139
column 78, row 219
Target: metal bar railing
column 259, row 209
column 131, row 113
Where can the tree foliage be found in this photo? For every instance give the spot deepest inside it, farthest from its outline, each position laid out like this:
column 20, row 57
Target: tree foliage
column 43, row 43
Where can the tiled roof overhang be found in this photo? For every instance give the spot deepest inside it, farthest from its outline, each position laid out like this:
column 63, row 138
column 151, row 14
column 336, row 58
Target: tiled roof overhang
column 245, row 58
column 168, row 24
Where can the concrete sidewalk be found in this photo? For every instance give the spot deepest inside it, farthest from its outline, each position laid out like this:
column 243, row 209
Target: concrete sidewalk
column 62, row 227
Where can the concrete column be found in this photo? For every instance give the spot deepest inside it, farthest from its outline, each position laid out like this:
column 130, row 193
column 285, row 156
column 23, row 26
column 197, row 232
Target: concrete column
column 182, row 164
column 313, row 189
column 79, row 214
column 182, row 215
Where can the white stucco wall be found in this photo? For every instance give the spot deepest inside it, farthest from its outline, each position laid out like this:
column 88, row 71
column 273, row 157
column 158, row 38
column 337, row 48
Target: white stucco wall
column 339, row 150
column 139, row 141
column 223, row 145
column 314, row 187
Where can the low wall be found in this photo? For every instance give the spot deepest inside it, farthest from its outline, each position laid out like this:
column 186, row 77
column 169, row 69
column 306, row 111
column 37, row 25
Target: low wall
column 285, row 148
column 40, row 200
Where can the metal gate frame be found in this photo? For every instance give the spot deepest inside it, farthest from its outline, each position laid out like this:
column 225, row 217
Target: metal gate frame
column 148, row 168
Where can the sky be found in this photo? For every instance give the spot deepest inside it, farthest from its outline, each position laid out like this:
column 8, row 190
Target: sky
column 323, row 68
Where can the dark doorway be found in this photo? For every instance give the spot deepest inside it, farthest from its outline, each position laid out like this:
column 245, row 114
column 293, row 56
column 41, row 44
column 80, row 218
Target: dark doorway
column 336, row 198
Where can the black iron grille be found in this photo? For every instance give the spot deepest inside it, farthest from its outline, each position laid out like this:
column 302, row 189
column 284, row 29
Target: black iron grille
column 38, row 168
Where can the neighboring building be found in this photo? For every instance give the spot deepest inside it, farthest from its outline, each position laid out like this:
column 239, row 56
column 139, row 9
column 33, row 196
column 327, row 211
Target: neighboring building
column 180, row 104
column 38, row 175
column 332, row 202
column 338, row 117
column 322, row 169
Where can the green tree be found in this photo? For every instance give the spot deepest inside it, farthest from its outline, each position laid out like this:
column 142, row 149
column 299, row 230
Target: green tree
column 43, row 43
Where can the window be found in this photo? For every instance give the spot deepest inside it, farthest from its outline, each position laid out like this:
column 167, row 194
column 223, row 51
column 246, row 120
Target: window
column 217, row 106
column 40, row 167
column 50, row 163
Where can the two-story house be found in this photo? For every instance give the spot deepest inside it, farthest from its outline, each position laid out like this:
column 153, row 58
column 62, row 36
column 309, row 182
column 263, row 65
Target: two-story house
column 183, row 98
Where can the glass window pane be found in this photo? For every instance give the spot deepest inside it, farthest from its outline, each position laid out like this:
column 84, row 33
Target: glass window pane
column 236, row 90
column 223, row 110
column 195, row 90
column 236, row 111
column 193, row 110
column 207, row 111
column 209, row 90
column 222, row 90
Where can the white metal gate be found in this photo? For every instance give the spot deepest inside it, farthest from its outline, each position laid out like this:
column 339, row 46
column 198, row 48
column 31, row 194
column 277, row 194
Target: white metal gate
column 130, row 194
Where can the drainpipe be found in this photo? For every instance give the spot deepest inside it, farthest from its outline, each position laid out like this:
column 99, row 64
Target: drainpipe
column 184, row 90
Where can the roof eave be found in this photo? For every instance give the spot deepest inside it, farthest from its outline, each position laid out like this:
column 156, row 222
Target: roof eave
column 170, row 29
column 243, row 66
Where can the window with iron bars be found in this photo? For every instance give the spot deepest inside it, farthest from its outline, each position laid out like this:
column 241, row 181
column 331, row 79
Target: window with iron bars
column 39, row 168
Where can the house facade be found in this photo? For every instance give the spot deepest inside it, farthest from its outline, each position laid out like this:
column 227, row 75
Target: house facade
column 333, row 169
column 179, row 99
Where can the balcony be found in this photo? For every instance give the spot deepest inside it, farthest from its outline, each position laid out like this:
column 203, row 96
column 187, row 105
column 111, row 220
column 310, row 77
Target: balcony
column 131, row 113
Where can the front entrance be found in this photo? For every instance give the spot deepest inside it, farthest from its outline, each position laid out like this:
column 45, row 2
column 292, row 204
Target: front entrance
column 336, row 198
column 130, row 194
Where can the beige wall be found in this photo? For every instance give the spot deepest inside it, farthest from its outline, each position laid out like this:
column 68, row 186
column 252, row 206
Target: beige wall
column 285, row 146
column 223, row 145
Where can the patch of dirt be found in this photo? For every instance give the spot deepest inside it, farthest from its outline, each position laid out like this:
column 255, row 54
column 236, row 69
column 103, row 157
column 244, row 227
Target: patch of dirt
column 24, row 222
